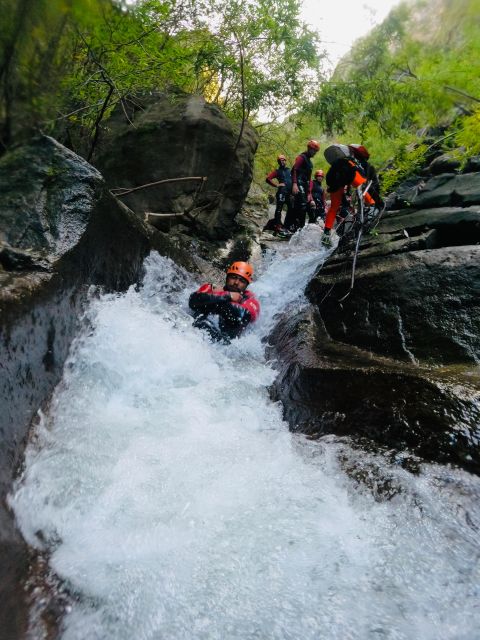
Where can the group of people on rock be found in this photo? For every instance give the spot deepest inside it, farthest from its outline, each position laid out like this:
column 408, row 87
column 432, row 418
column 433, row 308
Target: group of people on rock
column 306, row 196
column 225, row 312
column 295, row 189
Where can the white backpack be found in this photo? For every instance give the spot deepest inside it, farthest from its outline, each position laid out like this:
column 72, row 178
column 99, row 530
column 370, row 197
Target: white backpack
column 336, row 151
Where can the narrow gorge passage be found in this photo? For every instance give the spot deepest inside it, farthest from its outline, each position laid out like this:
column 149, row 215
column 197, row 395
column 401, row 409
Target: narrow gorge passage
column 175, row 504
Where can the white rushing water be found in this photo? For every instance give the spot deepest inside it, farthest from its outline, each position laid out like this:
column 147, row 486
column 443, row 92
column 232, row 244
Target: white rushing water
column 175, row 504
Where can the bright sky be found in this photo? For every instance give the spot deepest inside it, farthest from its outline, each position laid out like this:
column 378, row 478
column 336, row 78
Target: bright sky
column 341, row 22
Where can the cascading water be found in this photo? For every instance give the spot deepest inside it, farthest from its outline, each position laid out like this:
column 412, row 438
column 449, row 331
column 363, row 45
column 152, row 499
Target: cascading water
column 175, row 504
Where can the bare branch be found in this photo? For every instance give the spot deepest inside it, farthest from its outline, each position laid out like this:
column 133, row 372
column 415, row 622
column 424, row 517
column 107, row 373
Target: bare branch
column 122, row 191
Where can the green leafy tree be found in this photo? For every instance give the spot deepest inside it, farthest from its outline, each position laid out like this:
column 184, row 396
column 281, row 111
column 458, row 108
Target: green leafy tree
column 66, row 64
column 417, row 72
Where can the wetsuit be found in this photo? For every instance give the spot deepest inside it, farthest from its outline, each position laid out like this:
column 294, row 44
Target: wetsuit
column 318, row 198
column 233, row 317
column 301, row 176
column 283, row 195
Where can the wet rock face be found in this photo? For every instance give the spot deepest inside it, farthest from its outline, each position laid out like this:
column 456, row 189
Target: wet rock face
column 419, row 306
column 180, row 136
column 397, row 360
column 60, row 231
column 417, row 286
column 444, row 163
column 48, row 195
column 440, row 186
column 327, row 387
column 449, row 190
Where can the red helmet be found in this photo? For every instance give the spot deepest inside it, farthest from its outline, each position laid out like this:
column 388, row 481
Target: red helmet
column 281, row 157
column 241, row 269
column 359, row 151
column 313, row 144
column 319, row 174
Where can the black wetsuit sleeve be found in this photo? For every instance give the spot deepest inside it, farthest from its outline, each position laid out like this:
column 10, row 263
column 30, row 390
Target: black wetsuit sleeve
column 235, row 315
column 208, row 302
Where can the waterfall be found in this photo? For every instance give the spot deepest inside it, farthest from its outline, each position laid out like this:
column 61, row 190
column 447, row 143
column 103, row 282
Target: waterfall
column 174, row 503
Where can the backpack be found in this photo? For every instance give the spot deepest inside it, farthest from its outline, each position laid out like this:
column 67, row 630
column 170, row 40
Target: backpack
column 341, row 173
column 336, row 151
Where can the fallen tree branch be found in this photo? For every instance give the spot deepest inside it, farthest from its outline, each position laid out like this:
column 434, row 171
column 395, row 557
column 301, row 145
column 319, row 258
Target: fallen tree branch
column 122, row 191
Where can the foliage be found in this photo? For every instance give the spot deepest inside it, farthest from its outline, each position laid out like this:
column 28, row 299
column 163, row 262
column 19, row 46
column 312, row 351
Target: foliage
column 407, row 160
column 68, row 63
column 416, row 73
column 468, row 136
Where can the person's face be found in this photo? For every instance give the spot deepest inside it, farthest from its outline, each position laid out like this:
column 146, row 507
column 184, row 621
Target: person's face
column 311, row 151
column 236, row 283
column 319, row 179
column 283, row 163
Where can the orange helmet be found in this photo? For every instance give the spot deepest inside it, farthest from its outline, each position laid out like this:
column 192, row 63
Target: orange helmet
column 313, row 144
column 319, row 174
column 281, row 157
column 241, row 269
column 359, row 151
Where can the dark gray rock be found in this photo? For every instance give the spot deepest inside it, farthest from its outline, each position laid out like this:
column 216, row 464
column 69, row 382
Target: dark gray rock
column 405, row 192
column 396, row 361
column 327, row 387
column 444, row 163
column 422, row 306
column 448, row 190
column 151, row 151
column 473, row 165
column 455, row 225
column 60, row 231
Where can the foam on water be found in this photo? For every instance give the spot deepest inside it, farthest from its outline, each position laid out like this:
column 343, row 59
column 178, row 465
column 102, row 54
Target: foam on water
column 176, row 505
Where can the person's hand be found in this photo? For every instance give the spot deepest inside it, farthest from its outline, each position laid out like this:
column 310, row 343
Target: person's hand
column 281, row 184
column 235, row 296
column 295, row 189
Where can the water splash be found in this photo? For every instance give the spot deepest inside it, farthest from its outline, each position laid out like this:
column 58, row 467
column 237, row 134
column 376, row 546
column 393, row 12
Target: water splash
column 175, row 503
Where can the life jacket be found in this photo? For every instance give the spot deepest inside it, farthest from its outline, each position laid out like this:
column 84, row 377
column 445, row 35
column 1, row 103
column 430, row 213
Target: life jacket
column 304, row 172
column 284, row 175
column 317, row 194
column 249, row 301
column 317, row 190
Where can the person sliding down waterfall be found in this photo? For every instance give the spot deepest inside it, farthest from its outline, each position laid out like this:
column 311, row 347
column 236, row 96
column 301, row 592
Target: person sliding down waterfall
column 349, row 167
column 234, row 305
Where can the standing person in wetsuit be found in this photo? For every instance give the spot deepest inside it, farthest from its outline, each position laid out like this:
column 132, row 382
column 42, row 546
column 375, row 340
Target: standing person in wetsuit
column 301, row 179
column 318, row 201
column 234, row 305
column 283, row 185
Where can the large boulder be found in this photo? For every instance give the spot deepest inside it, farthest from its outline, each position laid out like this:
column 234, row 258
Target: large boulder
column 180, row 136
column 329, row 387
column 417, row 306
column 444, row 163
column 417, row 285
column 395, row 359
column 447, row 189
column 60, row 231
